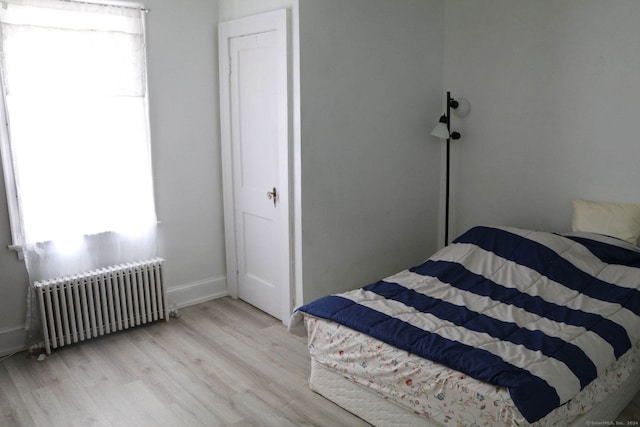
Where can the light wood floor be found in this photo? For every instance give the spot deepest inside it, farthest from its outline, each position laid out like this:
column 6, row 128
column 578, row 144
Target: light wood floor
column 223, row 363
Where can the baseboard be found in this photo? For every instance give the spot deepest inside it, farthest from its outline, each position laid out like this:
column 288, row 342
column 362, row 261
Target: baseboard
column 181, row 296
column 12, row 340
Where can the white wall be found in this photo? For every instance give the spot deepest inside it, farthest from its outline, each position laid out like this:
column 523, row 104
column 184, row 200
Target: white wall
column 182, row 64
column 183, row 84
column 554, row 89
column 371, row 88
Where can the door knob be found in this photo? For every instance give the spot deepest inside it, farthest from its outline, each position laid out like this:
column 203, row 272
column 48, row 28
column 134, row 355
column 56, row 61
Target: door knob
column 272, row 195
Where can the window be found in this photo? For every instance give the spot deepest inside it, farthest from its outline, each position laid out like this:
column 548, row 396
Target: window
column 76, row 150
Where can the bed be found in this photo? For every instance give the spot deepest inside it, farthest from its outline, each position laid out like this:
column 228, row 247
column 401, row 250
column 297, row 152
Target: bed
column 504, row 327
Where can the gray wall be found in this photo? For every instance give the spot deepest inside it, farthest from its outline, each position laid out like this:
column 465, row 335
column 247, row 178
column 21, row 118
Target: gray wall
column 183, row 82
column 371, row 88
column 554, row 89
column 368, row 87
column 13, row 284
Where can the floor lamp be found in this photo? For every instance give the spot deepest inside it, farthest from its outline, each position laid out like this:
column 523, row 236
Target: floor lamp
column 443, row 131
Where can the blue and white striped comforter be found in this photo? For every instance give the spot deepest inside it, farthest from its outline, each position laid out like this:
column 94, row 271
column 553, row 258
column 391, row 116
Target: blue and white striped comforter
column 538, row 313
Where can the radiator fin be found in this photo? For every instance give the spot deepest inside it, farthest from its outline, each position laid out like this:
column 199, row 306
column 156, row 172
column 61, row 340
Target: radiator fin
column 99, row 302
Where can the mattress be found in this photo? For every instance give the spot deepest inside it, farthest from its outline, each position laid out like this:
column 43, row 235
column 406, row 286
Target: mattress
column 388, row 386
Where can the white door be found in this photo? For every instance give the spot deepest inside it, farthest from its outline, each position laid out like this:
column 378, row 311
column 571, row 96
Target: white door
column 258, row 149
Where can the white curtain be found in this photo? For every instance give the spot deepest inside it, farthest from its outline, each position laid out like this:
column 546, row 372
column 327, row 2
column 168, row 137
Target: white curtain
column 75, row 91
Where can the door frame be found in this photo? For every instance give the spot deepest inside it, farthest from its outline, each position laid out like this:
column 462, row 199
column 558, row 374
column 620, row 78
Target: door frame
column 270, row 21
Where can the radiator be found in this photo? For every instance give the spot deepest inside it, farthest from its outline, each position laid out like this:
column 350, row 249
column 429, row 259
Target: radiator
column 99, row 302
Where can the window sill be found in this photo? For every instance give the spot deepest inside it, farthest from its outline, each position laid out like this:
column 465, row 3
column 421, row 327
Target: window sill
column 19, row 251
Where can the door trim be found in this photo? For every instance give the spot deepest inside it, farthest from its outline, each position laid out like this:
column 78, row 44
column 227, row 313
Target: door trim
column 270, row 21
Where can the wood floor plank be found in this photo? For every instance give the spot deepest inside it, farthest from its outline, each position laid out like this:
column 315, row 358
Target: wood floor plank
column 223, row 363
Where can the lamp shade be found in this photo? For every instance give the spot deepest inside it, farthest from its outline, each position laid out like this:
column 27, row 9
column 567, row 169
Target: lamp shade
column 463, row 107
column 441, row 131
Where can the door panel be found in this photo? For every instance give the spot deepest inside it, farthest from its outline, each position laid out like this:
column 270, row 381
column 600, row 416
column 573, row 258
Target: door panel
column 258, row 136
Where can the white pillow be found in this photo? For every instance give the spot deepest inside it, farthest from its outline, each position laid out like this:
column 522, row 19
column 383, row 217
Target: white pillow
column 621, row 220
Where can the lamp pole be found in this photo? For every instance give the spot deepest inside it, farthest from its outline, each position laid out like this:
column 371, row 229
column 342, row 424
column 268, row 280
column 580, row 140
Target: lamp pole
column 446, row 194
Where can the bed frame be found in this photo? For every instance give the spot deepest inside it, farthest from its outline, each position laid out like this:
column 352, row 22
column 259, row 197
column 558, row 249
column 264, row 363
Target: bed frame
column 375, row 409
